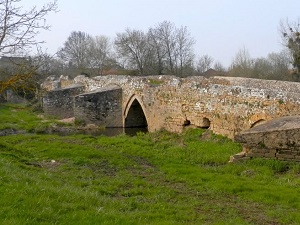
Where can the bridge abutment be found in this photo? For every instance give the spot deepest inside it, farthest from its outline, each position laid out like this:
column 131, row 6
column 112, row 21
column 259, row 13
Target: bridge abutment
column 102, row 107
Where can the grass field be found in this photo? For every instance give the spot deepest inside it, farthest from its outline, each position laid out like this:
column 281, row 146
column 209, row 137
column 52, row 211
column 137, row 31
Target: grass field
column 153, row 178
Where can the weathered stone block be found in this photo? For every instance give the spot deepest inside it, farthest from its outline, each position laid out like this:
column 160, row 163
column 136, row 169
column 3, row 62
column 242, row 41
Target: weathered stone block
column 102, row 107
column 60, row 102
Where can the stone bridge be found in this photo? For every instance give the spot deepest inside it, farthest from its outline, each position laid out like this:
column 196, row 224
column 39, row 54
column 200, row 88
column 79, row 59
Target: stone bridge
column 226, row 105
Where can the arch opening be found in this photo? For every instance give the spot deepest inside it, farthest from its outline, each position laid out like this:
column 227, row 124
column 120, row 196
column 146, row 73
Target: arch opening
column 205, row 123
column 186, row 123
column 136, row 117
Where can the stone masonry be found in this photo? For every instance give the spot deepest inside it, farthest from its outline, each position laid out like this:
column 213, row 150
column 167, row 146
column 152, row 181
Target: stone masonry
column 275, row 139
column 102, row 107
column 60, row 102
column 226, row 105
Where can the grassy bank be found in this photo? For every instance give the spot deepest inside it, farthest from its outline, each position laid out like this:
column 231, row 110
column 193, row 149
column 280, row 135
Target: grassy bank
column 158, row 178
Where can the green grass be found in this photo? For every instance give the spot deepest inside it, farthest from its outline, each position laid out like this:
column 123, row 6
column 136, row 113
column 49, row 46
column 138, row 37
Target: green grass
column 22, row 118
column 154, row 178
column 19, row 117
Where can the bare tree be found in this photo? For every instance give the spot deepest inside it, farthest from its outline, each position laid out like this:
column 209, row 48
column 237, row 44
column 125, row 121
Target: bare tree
column 19, row 28
column 219, row 67
column 273, row 67
column 262, row 68
column 281, row 62
column 290, row 33
column 99, row 54
column 165, row 49
column 242, row 59
column 203, row 64
column 184, row 55
column 76, row 50
column 172, row 49
column 158, row 48
column 242, row 64
column 165, row 32
column 15, row 72
column 133, row 46
column 48, row 64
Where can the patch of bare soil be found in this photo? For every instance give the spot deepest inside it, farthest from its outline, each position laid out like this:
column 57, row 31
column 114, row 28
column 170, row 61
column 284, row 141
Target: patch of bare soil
column 68, row 120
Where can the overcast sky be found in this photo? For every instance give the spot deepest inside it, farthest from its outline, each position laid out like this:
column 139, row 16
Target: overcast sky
column 219, row 27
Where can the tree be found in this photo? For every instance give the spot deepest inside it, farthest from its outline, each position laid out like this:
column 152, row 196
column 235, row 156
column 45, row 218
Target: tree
column 173, row 48
column 290, row 33
column 273, row 67
column 281, row 63
column 159, row 50
column 262, row 68
column 219, row 67
column 99, row 54
column 134, row 47
column 165, row 32
column 18, row 29
column 184, row 55
column 242, row 59
column 48, row 64
column 203, row 64
column 242, row 64
column 83, row 53
column 165, row 49
column 75, row 51
column 16, row 73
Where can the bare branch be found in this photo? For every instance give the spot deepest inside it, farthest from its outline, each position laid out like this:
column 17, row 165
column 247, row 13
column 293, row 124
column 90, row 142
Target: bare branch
column 290, row 34
column 19, row 28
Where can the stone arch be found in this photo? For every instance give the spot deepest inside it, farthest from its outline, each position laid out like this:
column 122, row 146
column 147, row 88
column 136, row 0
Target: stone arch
column 134, row 114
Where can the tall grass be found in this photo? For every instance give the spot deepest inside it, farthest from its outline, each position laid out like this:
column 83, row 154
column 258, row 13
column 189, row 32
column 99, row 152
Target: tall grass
column 153, row 178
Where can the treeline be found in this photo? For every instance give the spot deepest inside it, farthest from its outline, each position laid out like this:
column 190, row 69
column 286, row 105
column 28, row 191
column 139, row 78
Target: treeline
column 165, row 49
column 162, row 49
column 276, row 66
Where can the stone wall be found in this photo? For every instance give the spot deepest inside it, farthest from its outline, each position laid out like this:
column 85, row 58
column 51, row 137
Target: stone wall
column 225, row 105
column 60, row 102
column 101, row 107
column 275, row 139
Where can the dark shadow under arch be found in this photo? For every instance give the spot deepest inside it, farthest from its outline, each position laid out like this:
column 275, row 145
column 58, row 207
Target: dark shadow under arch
column 258, row 122
column 205, row 123
column 136, row 116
